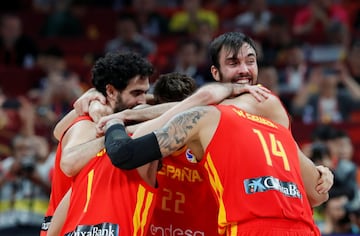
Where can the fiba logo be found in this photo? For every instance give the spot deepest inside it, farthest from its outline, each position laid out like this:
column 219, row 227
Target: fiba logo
column 190, row 157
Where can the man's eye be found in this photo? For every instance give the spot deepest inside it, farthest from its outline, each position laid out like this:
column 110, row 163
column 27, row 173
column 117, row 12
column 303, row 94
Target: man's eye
column 138, row 93
column 232, row 62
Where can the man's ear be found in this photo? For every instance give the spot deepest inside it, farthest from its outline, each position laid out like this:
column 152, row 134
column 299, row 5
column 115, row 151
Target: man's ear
column 215, row 73
column 111, row 92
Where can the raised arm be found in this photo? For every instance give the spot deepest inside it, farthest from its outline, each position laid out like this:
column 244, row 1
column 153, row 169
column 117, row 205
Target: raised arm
column 116, row 136
column 127, row 153
column 79, row 146
column 82, row 106
column 212, row 93
column 63, row 124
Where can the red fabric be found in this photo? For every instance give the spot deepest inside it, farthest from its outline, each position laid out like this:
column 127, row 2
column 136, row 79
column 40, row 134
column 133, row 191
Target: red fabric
column 106, row 198
column 60, row 183
column 255, row 172
column 185, row 204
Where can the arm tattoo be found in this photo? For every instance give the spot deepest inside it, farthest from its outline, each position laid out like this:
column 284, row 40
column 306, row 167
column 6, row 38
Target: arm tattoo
column 176, row 132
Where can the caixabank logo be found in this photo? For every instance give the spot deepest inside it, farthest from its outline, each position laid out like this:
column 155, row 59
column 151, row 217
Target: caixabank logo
column 104, row 229
column 267, row 183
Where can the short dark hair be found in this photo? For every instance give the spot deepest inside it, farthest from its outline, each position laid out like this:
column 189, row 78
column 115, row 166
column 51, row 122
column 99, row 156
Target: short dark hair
column 118, row 68
column 230, row 40
column 172, row 87
column 319, row 151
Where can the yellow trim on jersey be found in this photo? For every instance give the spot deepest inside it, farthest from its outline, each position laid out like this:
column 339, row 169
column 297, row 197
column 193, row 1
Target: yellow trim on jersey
column 232, row 230
column 143, row 203
column 216, row 185
column 89, row 188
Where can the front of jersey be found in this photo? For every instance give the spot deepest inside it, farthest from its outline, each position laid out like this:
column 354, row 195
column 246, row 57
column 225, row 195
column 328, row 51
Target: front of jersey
column 60, row 183
column 108, row 201
column 254, row 171
column 185, row 204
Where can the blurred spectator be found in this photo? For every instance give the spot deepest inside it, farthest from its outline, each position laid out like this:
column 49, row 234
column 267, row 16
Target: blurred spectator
column 320, row 154
column 353, row 60
column 276, row 39
column 322, row 20
column 17, row 116
column 294, row 72
column 57, row 91
column 354, row 216
column 61, row 22
column 192, row 12
column 255, row 19
column 333, row 216
column 152, row 24
column 204, row 35
column 129, row 38
column 321, row 100
column 187, row 61
column 25, row 186
column 344, row 150
column 16, row 49
column 268, row 77
column 344, row 170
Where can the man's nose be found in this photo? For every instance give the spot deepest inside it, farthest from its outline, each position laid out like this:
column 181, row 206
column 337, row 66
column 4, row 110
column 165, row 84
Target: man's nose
column 242, row 68
column 141, row 99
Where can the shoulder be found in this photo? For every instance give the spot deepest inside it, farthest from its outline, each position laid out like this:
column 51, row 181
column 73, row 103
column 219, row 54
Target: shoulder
column 81, row 128
column 273, row 109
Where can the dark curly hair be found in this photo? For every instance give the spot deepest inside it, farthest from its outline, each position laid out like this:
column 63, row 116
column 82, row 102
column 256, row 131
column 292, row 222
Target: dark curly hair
column 173, row 87
column 118, row 69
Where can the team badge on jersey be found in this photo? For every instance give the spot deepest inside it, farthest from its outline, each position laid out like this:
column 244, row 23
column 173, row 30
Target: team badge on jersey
column 267, row 183
column 189, row 156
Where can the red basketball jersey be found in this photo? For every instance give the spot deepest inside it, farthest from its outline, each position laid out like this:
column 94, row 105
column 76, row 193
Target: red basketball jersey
column 60, row 183
column 253, row 167
column 185, row 204
column 108, row 201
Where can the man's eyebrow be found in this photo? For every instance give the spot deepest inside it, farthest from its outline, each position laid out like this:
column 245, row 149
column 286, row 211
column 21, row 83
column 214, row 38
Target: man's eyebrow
column 139, row 90
column 234, row 56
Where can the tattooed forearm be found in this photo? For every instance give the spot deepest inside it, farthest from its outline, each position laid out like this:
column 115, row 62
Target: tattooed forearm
column 177, row 131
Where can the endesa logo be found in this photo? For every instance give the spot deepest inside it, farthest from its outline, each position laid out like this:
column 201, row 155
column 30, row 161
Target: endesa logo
column 173, row 231
column 267, row 183
column 104, row 229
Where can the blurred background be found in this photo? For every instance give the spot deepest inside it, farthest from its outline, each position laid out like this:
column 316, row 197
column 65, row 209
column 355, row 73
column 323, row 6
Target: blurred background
column 309, row 56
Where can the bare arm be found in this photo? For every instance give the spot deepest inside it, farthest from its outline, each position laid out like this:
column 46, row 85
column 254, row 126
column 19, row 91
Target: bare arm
column 63, row 124
column 59, row 216
column 90, row 99
column 211, row 94
column 140, row 115
column 311, row 176
column 79, row 145
column 127, row 153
